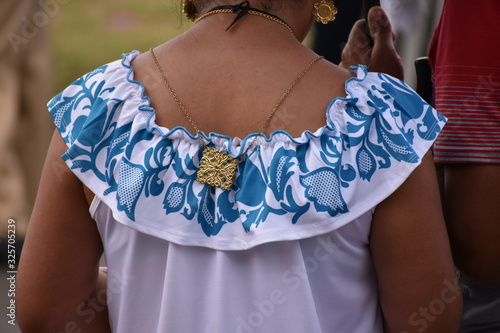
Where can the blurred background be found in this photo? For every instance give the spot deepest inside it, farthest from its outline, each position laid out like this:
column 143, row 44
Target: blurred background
column 47, row 44
column 44, row 46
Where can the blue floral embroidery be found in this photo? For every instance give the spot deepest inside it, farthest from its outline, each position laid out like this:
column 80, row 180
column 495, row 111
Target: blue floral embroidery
column 185, row 171
column 130, row 185
column 366, row 163
column 323, row 188
column 279, row 171
column 379, row 130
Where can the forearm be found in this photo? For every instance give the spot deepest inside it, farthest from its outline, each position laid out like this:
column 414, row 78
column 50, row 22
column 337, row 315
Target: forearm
column 437, row 309
column 63, row 312
column 91, row 315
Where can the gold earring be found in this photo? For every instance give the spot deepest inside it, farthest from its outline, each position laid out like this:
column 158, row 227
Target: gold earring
column 189, row 9
column 325, row 11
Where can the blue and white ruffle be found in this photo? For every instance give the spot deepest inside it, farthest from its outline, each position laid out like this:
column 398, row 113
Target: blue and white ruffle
column 285, row 188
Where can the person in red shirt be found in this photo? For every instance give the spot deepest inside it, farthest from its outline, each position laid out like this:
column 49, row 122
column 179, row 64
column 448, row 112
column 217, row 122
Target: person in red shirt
column 464, row 57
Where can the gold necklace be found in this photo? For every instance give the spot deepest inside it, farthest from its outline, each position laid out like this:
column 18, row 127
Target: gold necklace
column 217, row 168
column 251, row 12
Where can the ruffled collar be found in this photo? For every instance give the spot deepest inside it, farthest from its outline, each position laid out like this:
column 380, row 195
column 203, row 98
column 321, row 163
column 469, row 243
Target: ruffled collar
column 236, row 146
column 286, row 188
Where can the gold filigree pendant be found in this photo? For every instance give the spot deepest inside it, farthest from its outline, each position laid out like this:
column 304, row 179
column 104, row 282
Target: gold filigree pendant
column 217, row 168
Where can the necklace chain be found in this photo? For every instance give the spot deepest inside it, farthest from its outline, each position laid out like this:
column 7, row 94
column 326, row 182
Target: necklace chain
column 266, row 122
column 174, row 95
column 251, row 12
column 217, row 168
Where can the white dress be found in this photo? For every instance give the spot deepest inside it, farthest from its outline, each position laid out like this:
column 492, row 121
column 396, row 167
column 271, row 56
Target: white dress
column 285, row 250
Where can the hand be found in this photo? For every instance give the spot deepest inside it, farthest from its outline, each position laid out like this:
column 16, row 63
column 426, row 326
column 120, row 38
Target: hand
column 382, row 56
column 102, row 280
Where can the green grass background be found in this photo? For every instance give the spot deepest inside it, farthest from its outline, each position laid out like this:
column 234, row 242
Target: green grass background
column 87, row 34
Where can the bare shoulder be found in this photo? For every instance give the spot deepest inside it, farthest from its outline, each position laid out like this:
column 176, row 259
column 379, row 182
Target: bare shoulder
column 334, row 76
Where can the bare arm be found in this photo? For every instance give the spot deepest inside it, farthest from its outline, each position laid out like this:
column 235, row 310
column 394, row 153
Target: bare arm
column 59, row 279
column 417, row 280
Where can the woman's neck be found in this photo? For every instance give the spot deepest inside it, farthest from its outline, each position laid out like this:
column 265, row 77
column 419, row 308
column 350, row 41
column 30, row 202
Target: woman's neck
column 297, row 15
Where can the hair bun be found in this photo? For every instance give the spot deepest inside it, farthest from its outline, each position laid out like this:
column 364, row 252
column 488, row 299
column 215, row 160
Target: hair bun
column 190, row 10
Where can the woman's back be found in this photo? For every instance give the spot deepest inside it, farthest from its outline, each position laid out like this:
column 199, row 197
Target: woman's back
column 300, row 209
column 325, row 208
column 230, row 81
column 230, row 90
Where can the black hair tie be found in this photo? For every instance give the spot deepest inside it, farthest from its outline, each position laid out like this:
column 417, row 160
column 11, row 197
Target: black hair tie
column 241, row 9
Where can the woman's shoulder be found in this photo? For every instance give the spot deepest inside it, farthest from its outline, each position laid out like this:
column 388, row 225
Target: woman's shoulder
column 113, row 73
column 372, row 94
column 95, row 94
